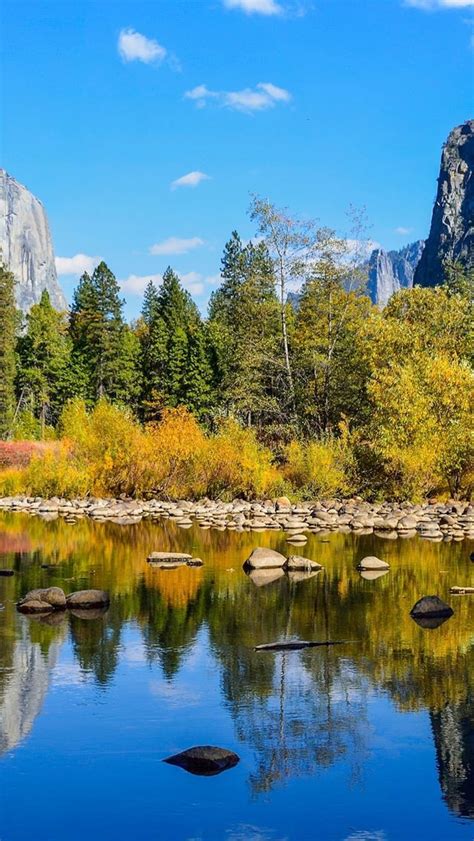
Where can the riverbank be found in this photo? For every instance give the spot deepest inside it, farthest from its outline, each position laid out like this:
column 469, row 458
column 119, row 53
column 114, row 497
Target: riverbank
column 433, row 521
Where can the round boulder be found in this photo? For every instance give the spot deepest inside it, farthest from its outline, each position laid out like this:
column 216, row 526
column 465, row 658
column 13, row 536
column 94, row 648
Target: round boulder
column 88, row 598
column 262, row 558
column 296, row 562
column 371, row 562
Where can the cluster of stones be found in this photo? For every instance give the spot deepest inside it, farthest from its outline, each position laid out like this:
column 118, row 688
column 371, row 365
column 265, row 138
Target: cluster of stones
column 173, row 560
column 434, row 521
column 48, row 599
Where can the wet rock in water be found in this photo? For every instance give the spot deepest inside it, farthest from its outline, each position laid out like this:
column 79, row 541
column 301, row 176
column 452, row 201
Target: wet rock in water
column 195, row 562
column 297, row 562
column 88, row 598
column 42, row 600
column 168, row 557
column 295, row 645
column 6, row 572
column 461, row 591
column 204, row 760
column 262, row 558
column 431, row 607
column 372, row 574
column 262, row 577
column 373, row 563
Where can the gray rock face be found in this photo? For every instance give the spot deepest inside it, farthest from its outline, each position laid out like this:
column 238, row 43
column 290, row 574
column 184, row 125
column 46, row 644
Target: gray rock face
column 452, row 224
column 26, row 246
column 390, row 271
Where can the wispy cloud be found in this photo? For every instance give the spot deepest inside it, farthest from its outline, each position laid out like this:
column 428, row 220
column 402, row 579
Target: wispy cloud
column 255, row 7
column 403, row 231
column 263, row 96
column 176, row 245
column 432, row 5
column 133, row 46
column 191, row 179
column 136, row 284
column 76, row 265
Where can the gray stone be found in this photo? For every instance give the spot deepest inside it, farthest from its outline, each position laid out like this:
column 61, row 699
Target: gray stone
column 88, row 598
column 372, row 563
column 262, row 558
column 297, row 562
column 431, row 606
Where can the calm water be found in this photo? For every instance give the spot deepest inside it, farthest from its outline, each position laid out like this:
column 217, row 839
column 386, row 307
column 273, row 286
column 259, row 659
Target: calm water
column 370, row 741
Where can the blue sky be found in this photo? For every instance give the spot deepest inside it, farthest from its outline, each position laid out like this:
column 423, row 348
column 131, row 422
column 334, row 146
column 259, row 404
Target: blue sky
column 317, row 105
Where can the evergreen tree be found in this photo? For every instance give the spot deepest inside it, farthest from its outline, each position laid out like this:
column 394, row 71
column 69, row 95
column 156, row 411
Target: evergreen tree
column 103, row 346
column 45, row 373
column 8, row 323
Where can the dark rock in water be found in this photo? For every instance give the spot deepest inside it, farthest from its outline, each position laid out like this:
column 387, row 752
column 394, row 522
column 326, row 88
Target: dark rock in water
column 295, row 645
column 431, row 607
column 43, row 600
column 7, row 572
column 452, row 225
column 204, row 760
column 472, row 557
column 88, row 598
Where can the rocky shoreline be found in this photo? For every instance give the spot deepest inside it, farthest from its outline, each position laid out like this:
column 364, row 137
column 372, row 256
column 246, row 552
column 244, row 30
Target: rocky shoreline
column 435, row 521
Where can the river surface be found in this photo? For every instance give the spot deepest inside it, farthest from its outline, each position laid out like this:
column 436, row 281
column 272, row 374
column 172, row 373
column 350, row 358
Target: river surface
column 372, row 740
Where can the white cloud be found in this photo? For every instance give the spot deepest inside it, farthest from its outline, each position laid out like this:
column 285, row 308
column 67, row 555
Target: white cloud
column 403, row 231
column 255, row 7
column 191, row 179
column 430, row 5
column 76, row 265
column 195, row 282
column 263, row 96
column 176, row 245
column 133, row 46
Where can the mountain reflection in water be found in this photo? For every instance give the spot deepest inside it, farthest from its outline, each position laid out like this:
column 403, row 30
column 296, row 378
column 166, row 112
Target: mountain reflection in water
column 296, row 714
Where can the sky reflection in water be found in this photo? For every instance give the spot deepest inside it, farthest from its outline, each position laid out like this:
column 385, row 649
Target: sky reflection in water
column 371, row 741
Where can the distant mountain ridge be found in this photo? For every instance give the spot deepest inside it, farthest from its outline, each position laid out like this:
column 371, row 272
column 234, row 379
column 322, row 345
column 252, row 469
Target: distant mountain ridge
column 451, row 234
column 390, row 271
column 26, row 246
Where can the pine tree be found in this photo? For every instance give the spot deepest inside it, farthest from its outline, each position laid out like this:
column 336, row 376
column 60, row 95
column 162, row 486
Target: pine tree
column 8, row 323
column 102, row 344
column 45, row 372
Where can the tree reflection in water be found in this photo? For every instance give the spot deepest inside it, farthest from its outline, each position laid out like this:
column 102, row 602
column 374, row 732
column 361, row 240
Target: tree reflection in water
column 300, row 712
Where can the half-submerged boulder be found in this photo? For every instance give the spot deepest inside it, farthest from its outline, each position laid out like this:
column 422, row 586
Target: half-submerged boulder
column 204, row 760
column 295, row 645
column 43, row 600
column 430, row 611
column 371, row 562
column 297, row 562
column 7, row 572
column 262, row 558
column 83, row 599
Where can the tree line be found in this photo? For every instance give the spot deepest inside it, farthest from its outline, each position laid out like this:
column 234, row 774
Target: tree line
column 324, row 378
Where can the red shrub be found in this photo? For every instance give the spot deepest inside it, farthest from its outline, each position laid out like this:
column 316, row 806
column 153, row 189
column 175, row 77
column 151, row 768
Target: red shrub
column 20, row 453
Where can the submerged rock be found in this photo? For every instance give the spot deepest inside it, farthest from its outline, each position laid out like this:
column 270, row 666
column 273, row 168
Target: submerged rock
column 262, row 558
column 204, row 760
column 168, row 557
column 88, row 598
column 295, row 645
column 431, row 607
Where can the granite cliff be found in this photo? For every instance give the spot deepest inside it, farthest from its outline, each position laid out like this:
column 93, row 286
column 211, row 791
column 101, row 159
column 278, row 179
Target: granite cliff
column 451, row 234
column 390, row 271
column 26, row 245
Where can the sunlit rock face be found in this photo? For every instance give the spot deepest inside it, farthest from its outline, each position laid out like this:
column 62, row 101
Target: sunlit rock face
column 390, row 271
column 23, row 688
column 452, row 224
column 26, row 245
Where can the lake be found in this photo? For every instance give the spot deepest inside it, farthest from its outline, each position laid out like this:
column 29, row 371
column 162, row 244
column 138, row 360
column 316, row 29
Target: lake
column 372, row 740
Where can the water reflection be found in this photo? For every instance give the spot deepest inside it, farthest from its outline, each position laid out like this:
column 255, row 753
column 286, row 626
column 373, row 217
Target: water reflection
column 300, row 712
